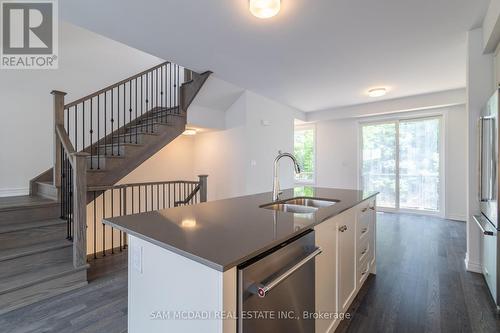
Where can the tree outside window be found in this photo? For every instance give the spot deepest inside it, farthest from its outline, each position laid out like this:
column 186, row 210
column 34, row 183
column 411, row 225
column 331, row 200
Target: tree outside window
column 304, row 151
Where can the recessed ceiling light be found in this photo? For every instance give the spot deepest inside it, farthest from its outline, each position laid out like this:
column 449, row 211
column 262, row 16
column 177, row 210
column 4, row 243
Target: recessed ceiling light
column 377, row 92
column 265, row 8
column 190, row 131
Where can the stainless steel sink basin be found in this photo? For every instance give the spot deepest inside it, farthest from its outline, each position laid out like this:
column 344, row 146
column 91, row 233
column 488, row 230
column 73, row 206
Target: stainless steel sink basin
column 300, row 205
column 311, row 202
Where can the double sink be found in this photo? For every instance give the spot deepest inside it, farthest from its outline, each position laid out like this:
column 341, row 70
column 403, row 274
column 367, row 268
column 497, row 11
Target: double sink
column 300, row 205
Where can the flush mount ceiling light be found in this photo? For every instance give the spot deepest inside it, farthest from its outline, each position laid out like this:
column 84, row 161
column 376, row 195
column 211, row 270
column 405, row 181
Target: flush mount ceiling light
column 264, row 8
column 190, row 131
column 377, row 92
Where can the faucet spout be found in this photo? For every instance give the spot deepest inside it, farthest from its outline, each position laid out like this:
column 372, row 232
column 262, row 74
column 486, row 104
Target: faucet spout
column 276, row 186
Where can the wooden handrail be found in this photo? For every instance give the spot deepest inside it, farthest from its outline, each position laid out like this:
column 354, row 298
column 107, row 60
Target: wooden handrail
column 114, row 85
column 109, row 187
column 189, row 197
column 66, row 142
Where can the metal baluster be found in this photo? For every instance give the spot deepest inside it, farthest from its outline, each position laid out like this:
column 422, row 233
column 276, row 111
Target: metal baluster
column 103, row 226
column 112, row 121
column 129, row 111
column 136, row 141
column 150, row 110
column 98, row 130
column 152, row 197
column 133, row 194
column 76, row 127
column 161, row 89
column 139, row 199
column 121, row 214
column 105, row 121
column 91, row 136
column 95, row 227
column 118, row 126
column 112, row 215
column 83, row 125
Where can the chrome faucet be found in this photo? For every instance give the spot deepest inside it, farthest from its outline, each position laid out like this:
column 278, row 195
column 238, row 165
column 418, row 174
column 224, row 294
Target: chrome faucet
column 276, row 182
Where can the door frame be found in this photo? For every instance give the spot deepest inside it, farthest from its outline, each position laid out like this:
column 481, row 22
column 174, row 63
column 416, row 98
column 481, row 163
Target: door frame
column 442, row 153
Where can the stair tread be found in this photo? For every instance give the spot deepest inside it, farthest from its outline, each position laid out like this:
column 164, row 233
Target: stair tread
column 94, row 157
column 121, row 144
column 28, row 278
column 138, row 134
column 33, row 248
column 24, row 201
column 12, row 227
column 30, row 237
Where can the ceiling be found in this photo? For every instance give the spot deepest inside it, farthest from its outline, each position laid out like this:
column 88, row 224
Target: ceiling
column 314, row 55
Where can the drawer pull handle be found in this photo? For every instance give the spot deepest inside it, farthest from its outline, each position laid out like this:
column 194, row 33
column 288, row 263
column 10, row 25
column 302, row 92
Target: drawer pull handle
column 364, row 230
column 364, row 272
column 364, row 209
column 343, row 228
column 364, row 251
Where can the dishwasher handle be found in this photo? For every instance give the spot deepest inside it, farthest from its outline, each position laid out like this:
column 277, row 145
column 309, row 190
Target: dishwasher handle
column 262, row 290
column 479, row 223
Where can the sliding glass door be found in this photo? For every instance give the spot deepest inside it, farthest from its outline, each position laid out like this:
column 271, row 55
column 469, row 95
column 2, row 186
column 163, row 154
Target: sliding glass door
column 402, row 159
column 379, row 162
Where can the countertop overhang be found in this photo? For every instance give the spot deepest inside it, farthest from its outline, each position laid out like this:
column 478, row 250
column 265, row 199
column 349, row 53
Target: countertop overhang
column 225, row 233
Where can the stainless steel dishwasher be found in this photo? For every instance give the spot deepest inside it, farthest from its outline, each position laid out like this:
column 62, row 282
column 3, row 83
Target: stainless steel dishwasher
column 276, row 288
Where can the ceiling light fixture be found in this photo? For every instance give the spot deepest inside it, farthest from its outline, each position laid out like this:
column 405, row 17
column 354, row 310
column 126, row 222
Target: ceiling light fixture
column 190, row 131
column 264, row 8
column 377, row 92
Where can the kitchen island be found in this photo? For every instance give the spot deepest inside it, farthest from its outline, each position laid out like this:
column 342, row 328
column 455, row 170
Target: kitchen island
column 185, row 263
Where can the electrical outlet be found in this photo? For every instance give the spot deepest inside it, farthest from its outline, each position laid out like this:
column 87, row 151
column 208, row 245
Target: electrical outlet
column 136, row 258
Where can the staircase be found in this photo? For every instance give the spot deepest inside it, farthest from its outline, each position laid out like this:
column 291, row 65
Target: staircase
column 98, row 140
column 36, row 259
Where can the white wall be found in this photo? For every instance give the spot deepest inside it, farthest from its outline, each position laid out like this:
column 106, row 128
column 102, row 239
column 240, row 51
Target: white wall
column 175, row 161
column 338, row 163
column 87, row 63
column 336, row 153
column 239, row 159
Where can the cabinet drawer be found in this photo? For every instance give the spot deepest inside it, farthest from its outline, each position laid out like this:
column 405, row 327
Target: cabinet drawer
column 364, row 249
column 363, row 271
column 363, row 225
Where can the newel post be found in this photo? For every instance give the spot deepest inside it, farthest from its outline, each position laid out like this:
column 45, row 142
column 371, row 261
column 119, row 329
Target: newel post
column 203, row 187
column 79, row 209
column 58, row 120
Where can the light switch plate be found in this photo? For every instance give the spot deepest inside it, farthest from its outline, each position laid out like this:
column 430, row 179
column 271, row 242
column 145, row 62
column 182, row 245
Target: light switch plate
column 136, row 258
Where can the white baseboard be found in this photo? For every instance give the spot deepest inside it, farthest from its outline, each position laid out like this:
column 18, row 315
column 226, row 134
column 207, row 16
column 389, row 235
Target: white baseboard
column 456, row 217
column 472, row 266
column 12, row 192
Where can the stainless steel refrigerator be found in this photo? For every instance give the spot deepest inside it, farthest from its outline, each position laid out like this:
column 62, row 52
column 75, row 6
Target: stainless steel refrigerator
column 489, row 142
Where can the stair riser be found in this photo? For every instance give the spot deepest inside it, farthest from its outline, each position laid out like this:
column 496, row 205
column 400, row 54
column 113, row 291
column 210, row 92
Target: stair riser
column 43, row 290
column 144, row 129
column 35, row 262
column 27, row 237
column 30, row 214
column 113, row 150
column 46, row 190
column 105, row 163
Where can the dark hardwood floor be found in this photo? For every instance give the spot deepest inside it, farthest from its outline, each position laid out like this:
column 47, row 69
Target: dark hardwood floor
column 421, row 283
column 421, row 286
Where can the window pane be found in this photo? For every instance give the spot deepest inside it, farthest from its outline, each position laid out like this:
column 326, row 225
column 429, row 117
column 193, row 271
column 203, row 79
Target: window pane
column 304, row 152
column 379, row 162
column 419, row 164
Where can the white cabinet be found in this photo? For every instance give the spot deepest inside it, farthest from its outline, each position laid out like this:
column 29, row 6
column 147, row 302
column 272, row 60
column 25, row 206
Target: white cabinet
column 326, row 274
column 348, row 244
column 346, row 256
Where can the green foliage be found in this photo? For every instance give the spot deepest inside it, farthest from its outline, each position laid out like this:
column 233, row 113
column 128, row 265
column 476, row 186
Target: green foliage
column 304, row 152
